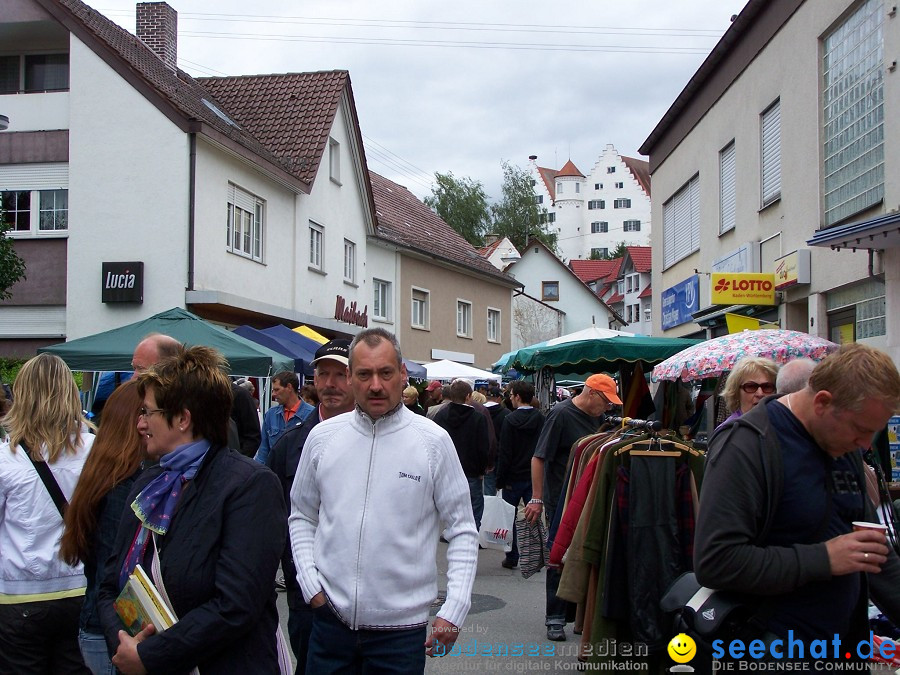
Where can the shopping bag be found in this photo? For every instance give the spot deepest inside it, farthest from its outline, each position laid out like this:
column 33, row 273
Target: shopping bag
column 497, row 524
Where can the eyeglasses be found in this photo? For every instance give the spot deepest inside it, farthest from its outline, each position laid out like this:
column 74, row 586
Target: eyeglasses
column 751, row 387
column 148, row 412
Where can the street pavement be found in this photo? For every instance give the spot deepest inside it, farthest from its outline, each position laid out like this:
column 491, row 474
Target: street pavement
column 507, row 616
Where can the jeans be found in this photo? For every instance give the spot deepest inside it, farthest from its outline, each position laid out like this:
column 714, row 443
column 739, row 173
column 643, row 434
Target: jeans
column 514, row 492
column 300, row 617
column 490, row 483
column 41, row 637
column 335, row 648
column 557, row 608
column 94, row 653
column 476, row 489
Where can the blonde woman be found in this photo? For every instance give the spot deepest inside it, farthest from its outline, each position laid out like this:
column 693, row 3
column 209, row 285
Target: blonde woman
column 751, row 380
column 40, row 594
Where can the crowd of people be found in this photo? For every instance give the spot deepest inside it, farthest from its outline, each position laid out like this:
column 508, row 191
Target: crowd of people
column 349, row 483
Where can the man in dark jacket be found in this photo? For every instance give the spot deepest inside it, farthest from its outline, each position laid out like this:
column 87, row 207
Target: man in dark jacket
column 469, row 431
column 518, row 437
column 498, row 411
column 782, row 487
column 335, row 397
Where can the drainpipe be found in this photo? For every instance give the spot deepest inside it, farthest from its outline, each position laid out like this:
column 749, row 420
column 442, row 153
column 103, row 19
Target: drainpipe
column 192, row 178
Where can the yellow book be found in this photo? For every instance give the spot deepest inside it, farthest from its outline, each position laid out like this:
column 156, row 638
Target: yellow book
column 140, row 604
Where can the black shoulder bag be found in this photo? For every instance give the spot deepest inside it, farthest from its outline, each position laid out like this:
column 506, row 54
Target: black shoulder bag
column 56, row 494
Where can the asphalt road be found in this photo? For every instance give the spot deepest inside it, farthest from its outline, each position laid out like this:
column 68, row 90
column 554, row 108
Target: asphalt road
column 507, row 616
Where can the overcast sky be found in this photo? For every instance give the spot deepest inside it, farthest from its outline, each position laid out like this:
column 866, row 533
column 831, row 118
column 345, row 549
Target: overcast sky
column 459, row 86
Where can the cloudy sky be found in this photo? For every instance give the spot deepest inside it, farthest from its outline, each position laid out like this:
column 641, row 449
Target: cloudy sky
column 459, row 86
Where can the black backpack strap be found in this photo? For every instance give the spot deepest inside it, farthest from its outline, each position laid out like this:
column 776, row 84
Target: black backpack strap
column 56, row 494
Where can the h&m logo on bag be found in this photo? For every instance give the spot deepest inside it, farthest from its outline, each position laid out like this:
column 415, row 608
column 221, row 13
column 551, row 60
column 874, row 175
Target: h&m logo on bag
column 499, row 534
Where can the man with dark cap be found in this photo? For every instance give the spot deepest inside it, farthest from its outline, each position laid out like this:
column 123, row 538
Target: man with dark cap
column 498, row 411
column 335, row 398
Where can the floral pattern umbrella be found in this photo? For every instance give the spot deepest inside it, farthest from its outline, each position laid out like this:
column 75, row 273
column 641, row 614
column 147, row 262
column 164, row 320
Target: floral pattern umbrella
column 714, row 357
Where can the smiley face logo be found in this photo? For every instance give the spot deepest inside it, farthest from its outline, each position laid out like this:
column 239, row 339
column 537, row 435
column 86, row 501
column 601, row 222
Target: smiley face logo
column 682, row 648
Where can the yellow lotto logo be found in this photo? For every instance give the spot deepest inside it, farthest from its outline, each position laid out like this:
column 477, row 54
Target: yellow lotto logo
column 742, row 289
column 682, row 648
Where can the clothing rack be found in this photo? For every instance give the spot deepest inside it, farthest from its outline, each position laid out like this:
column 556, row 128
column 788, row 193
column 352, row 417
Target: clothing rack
column 647, row 425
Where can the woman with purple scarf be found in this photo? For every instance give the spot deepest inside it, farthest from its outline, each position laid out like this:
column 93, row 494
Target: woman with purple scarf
column 207, row 524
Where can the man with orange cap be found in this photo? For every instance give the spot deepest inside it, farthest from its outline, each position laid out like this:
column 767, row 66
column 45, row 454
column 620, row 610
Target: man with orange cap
column 566, row 423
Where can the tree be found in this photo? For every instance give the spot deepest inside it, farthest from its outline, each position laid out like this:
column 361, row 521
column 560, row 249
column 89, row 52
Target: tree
column 518, row 215
column 12, row 267
column 462, row 204
column 618, row 252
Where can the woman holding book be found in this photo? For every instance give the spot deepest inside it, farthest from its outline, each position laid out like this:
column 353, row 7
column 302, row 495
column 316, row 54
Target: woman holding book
column 208, row 526
column 40, row 594
column 96, row 509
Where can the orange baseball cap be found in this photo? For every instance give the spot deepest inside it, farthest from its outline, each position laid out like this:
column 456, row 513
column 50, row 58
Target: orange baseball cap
column 605, row 385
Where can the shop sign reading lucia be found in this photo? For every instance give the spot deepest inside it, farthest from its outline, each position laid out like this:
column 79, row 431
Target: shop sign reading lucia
column 742, row 289
column 350, row 314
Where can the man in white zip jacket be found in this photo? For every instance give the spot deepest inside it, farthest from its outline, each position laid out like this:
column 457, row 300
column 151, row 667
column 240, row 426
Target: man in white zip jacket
column 374, row 490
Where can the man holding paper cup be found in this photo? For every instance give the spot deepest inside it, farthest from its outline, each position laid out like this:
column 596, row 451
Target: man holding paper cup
column 783, row 488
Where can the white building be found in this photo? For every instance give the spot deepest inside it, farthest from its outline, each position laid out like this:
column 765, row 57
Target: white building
column 777, row 158
column 592, row 214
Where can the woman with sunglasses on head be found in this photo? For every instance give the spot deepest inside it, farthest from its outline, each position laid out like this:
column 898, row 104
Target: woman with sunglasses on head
column 207, row 524
column 40, row 594
column 96, row 509
column 750, row 381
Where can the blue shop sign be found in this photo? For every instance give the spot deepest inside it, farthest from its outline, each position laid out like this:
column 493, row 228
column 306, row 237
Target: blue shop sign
column 680, row 301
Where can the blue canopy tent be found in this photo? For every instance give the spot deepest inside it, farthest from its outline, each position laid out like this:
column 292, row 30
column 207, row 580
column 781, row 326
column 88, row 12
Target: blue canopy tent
column 301, row 356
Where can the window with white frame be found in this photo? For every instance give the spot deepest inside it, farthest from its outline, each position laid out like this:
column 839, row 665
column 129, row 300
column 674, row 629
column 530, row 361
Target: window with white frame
column 493, row 325
column 559, row 188
column 727, row 189
column 463, row 318
column 681, row 223
column 610, row 169
column 620, row 286
column 599, row 252
column 539, row 199
column 620, row 185
column 34, row 199
column 770, row 154
column 631, row 226
column 245, row 228
column 596, row 204
column 334, row 160
column 633, row 283
column 381, row 303
column 420, row 308
column 316, row 237
column 599, row 226
column 549, row 290
column 577, row 188
column 853, row 113
column 622, row 203
column 349, row 261
column 598, row 186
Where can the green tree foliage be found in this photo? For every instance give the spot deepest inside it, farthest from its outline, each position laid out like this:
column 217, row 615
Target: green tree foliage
column 617, row 252
column 12, row 267
column 517, row 215
column 462, row 204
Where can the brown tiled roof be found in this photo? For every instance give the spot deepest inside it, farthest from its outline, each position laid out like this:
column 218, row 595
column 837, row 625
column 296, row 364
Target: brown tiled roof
column 178, row 95
column 647, row 292
column 614, row 270
column 570, row 170
column 549, row 178
column 641, row 258
column 486, row 251
column 591, row 270
column 403, row 220
column 640, row 169
column 618, row 297
column 289, row 114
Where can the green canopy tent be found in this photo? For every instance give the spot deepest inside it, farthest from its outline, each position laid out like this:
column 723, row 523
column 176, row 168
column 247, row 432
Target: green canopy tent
column 112, row 349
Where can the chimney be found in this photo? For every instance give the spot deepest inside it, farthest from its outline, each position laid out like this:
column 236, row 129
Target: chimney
column 157, row 27
column 490, row 239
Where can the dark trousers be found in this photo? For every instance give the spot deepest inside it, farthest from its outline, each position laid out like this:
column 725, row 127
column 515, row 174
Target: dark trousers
column 557, row 608
column 476, row 490
column 300, row 618
column 41, row 637
column 513, row 493
column 335, row 649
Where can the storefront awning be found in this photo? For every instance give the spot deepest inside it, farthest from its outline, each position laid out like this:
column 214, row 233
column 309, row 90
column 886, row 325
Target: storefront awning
column 876, row 233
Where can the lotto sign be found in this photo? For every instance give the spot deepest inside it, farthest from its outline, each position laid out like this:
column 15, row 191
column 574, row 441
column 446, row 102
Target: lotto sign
column 742, row 289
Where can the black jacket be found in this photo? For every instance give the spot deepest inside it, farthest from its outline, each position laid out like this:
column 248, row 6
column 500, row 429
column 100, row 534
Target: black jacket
column 518, row 437
column 243, row 413
column 218, row 562
column 742, row 487
column 470, row 434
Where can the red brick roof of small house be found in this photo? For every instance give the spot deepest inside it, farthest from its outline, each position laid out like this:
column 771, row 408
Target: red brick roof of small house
column 404, row 220
column 646, row 293
column 614, row 270
column 618, row 297
column 640, row 169
column 641, row 258
column 487, row 251
column 591, row 270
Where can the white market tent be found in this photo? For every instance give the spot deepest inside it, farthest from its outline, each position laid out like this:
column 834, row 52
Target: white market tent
column 450, row 370
column 589, row 333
